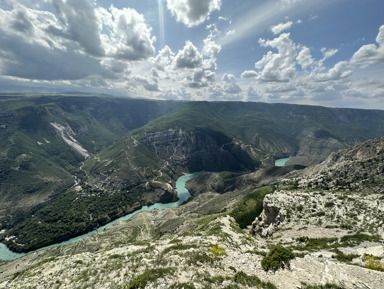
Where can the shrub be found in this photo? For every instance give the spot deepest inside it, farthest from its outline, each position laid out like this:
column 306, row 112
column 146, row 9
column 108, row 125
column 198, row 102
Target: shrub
column 329, row 204
column 340, row 256
column 374, row 263
column 149, row 275
column 250, row 207
column 277, row 257
column 217, row 250
column 251, row 280
column 244, row 279
column 356, row 239
column 326, row 286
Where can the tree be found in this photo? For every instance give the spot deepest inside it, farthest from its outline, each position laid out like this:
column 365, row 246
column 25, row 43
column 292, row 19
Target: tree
column 277, row 257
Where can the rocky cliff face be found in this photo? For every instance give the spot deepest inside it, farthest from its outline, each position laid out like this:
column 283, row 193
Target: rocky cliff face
column 272, row 216
column 360, row 168
column 198, row 150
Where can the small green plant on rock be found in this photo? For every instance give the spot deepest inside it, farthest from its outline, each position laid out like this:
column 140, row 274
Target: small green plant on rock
column 277, row 257
column 374, row 263
column 326, row 286
column 217, row 250
column 251, row 280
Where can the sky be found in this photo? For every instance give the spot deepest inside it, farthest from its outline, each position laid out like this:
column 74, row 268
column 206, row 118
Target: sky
column 317, row 52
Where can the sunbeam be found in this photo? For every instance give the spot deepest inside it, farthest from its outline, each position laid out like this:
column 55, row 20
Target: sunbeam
column 161, row 22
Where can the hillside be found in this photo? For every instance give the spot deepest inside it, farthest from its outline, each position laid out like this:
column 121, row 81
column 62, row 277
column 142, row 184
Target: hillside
column 335, row 239
column 45, row 138
column 360, row 168
column 144, row 159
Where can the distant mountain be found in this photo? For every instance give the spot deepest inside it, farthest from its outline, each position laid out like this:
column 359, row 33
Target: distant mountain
column 137, row 149
column 231, row 235
column 37, row 163
column 230, row 136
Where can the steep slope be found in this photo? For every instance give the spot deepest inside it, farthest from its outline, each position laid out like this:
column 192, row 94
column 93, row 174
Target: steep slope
column 199, row 246
column 229, row 137
column 141, row 167
column 359, row 168
column 44, row 140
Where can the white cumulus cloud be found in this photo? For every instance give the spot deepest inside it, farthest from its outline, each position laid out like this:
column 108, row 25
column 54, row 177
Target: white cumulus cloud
column 130, row 37
column 193, row 12
column 277, row 29
column 280, row 66
column 188, row 57
column 304, row 58
column 230, row 84
column 371, row 53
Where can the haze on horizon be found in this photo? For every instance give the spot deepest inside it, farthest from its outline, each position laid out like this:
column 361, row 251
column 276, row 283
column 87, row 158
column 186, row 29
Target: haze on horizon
column 318, row 52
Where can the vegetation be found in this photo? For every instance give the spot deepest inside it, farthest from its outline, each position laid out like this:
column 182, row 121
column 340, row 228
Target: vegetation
column 326, row 286
column 217, row 250
column 374, row 263
column 37, row 168
column 149, row 275
column 250, row 207
column 340, row 256
column 278, row 257
column 251, row 281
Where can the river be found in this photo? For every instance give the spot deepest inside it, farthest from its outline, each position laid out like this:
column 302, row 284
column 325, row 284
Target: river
column 281, row 162
column 182, row 193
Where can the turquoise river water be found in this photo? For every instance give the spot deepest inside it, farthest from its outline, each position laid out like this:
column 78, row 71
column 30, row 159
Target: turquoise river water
column 182, row 193
column 281, row 162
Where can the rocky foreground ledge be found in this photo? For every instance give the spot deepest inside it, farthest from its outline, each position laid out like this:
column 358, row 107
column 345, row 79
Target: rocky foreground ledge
column 335, row 237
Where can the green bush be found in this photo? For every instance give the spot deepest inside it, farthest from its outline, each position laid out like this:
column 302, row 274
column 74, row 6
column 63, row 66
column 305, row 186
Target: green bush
column 277, row 257
column 374, row 263
column 326, row 286
column 149, row 275
column 217, row 250
column 251, row 280
column 340, row 256
column 250, row 207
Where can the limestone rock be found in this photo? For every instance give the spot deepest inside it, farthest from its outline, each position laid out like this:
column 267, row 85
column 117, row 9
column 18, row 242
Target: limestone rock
column 271, row 217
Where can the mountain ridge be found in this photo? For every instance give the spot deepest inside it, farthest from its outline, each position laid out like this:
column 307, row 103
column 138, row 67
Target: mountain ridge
column 141, row 166
column 334, row 237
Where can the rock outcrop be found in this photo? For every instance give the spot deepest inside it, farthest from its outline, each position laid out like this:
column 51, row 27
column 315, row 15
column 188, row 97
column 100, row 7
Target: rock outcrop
column 360, row 168
column 272, row 216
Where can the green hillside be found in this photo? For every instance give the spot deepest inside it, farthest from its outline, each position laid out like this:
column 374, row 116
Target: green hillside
column 36, row 165
column 137, row 150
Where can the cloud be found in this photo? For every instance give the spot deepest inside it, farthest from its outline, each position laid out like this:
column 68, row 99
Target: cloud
column 211, row 48
column 249, row 74
column 371, row 53
column 189, row 57
column 130, row 38
column 289, row 3
column 327, row 53
column 148, row 84
column 22, row 23
column 230, row 32
column 230, row 84
column 280, row 66
column 28, row 50
column 193, row 12
column 72, row 15
column 163, row 58
column 32, row 61
column 61, row 45
column 304, row 58
column 278, row 76
column 277, row 29
column 339, row 71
